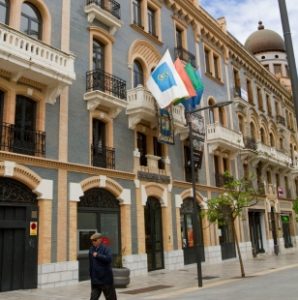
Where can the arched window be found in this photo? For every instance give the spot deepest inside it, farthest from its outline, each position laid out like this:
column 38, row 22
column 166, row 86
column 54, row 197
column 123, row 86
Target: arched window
column 31, row 21
column 211, row 112
column 222, row 116
column 241, row 124
column 263, row 140
column 98, row 55
column 138, row 74
column 252, row 131
column 272, row 141
column 4, row 11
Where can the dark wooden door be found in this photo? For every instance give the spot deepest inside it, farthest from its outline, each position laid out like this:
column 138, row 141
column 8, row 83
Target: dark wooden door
column 153, row 234
column 18, row 245
column 24, row 138
column 256, row 232
column 18, row 250
column 227, row 243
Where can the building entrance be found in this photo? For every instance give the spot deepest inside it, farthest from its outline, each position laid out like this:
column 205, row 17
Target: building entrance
column 18, row 236
column 153, row 234
column 255, row 229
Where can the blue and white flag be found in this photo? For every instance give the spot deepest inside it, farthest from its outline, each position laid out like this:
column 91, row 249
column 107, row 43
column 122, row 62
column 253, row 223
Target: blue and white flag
column 165, row 84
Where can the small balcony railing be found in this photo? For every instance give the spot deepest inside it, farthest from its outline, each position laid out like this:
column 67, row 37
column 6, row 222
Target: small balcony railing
column 280, row 120
column 222, row 179
column 105, row 82
column 103, row 157
column 185, row 55
column 250, row 143
column 111, row 6
column 21, row 140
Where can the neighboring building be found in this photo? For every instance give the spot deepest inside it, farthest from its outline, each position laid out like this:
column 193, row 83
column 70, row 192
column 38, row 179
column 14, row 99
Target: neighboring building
column 79, row 140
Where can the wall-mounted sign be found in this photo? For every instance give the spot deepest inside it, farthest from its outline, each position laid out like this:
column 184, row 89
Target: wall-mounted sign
column 33, row 228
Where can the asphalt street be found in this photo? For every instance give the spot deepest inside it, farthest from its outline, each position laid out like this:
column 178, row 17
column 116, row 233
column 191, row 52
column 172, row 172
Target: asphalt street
column 275, row 285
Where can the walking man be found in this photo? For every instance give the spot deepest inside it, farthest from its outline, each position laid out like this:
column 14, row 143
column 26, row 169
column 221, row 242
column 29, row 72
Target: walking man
column 100, row 258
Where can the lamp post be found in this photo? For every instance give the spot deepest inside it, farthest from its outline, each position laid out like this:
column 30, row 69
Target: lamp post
column 196, row 208
column 290, row 53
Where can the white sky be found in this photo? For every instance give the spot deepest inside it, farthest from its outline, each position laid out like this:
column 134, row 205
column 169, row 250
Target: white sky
column 242, row 17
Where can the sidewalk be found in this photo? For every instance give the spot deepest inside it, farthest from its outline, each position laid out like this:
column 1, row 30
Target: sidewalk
column 162, row 284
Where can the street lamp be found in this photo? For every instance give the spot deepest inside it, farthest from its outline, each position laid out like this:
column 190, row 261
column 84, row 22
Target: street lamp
column 196, row 208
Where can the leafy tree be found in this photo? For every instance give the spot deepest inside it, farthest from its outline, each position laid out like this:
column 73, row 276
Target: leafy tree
column 226, row 207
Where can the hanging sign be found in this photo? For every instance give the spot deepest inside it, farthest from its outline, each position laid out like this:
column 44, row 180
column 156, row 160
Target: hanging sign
column 198, row 126
column 165, row 126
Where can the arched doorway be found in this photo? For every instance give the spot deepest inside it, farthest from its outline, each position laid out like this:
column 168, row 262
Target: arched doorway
column 98, row 211
column 153, row 233
column 18, row 236
column 189, row 250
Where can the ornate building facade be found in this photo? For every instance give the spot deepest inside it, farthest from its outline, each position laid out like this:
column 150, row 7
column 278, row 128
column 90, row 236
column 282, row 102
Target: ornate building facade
column 79, row 142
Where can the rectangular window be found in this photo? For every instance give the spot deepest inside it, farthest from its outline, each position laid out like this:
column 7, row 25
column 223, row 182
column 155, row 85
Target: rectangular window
column 137, row 16
column 260, row 99
column 237, row 84
column 3, row 12
column 207, row 61
column 216, row 67
column 179, row 40
column 269, row 110
column 142, row 146
column 249, row 92
column 158, row 151
column 277, row 69
column 151, row 22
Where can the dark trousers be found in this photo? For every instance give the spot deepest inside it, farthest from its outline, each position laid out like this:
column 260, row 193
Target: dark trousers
column 108, row 291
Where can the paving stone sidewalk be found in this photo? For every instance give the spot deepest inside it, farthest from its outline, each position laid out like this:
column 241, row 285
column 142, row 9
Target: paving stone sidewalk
column 163, row 284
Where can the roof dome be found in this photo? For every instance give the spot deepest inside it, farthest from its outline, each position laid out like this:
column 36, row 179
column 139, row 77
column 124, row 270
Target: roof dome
column 264, row 40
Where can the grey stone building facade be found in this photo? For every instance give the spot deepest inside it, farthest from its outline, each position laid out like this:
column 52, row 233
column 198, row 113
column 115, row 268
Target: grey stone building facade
column 79, row 138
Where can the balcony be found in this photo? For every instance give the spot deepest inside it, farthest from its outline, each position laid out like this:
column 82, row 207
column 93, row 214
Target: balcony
column 23, row 141
column 25, row 59
column 185, row 55
column 250, row 143
column 218, row 136
column 105, row 90
column 141, row 106
column 103, row 157
column 280, row 120
column 273, row 156
column 221, row 179
column 106, row 12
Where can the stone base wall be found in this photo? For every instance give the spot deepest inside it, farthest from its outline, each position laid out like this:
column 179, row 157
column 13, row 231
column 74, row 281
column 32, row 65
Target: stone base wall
column 212, row 255
column 246, row 250
column 137, row 263
column 58, row 274
column 174, row 260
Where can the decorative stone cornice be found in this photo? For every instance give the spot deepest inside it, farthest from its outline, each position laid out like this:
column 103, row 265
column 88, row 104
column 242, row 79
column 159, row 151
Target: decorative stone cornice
column 70, row 167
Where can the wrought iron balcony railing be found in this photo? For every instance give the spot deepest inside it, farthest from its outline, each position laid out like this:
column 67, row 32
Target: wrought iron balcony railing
column 185, row 55
column 222, row 179
column 111, row 6
column 21, row 140
column 103, row 157
column 280, row 120
column 105, row 82
column 250, row 143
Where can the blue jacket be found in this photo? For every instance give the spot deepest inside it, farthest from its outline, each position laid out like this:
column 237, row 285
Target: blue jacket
column 101, row 265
